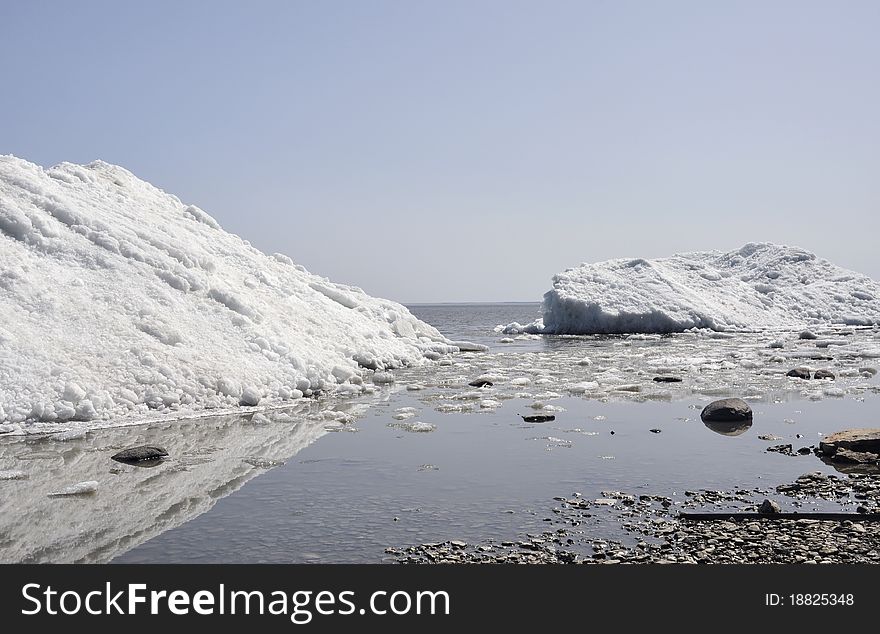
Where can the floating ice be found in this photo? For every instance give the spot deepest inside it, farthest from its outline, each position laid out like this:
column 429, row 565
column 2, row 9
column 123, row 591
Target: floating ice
column 119, row 300
column 760, row 286
column 415, row 428
column 403, row 413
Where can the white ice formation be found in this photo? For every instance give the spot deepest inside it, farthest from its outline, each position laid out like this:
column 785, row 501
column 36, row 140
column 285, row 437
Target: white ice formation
column 117, row 300
column 761, row 286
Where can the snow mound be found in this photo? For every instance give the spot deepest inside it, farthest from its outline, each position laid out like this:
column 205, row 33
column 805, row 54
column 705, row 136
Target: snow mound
column 761, row 286
column 119, row 300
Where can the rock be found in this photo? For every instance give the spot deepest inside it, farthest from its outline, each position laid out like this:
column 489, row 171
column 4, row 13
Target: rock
column 538, row 418
column 727, row 410
column 857, row 457
column 769, row 437
column 142, row 453
column 799, row 373
column 775, row 345
column 806, row 334
column 824, row 374
column 783, row 449
column 858, row 440
column 803, row 451
column 481, row 383
column 769, row 507
column 667, row 379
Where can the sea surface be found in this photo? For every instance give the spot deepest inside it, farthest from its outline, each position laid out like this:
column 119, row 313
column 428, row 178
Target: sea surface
column 341, row 482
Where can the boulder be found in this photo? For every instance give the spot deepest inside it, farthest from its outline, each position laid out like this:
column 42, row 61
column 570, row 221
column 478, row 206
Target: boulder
column 727, row 410
column 824, row 374
column 806, row 334
column 858, row 440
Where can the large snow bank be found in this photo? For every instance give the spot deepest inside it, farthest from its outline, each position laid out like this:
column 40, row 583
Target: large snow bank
column 117, row 299
column 760, row 286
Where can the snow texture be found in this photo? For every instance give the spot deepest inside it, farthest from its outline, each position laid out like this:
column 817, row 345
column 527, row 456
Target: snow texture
column 761, row 286
column 118, row 301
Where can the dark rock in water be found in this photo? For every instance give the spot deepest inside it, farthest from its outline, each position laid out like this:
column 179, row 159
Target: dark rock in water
column 656, row 431
column 538, row 418
column 769, row 507
column 803, row 451
column 144, row 453
column 824, row 374
column 727, row 410
column 785, row 450
column 860, row 440
column 667, row 379
column 799, row 373
column 480, row 383
column 806, row 334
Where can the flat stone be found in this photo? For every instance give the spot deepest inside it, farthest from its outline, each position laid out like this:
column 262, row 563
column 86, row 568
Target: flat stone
column 858, row 457
column 859, row 440
column 140, row 454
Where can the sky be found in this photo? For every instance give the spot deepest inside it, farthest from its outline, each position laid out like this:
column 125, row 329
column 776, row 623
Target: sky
column 468, row 150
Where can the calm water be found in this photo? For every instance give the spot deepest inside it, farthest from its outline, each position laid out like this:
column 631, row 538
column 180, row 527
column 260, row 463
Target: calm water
column 246, row 489
column 348, row 496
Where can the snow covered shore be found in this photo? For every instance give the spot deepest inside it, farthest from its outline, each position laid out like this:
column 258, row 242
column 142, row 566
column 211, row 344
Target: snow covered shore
column 761, row 286
column 118, row 300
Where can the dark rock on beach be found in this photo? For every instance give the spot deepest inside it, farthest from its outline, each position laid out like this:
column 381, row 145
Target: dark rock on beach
column 143, row 453
column 769, row 507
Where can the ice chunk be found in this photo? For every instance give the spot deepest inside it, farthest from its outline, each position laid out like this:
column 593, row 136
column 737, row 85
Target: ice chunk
column 80, row 488
column 670, row 294
column 415, row 428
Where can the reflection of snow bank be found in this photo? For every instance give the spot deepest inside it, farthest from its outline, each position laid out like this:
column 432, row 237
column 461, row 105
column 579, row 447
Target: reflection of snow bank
column 760, row 286
column 118, row 299
column 208, row 459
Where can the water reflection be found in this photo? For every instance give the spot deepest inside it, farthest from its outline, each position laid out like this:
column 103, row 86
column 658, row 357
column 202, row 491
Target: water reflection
column 729, row 428
column 208, row 459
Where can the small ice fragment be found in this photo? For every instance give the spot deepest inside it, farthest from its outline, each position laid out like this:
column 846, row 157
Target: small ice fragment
column 80, row 488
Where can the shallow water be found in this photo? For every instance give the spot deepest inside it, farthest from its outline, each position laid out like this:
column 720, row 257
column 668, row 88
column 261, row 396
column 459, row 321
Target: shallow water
column 286, row 489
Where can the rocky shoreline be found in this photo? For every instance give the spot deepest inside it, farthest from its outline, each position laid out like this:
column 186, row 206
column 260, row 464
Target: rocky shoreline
column 657, row 534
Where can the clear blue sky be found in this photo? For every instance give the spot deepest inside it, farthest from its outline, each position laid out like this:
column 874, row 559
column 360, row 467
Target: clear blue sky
column 442, row 151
